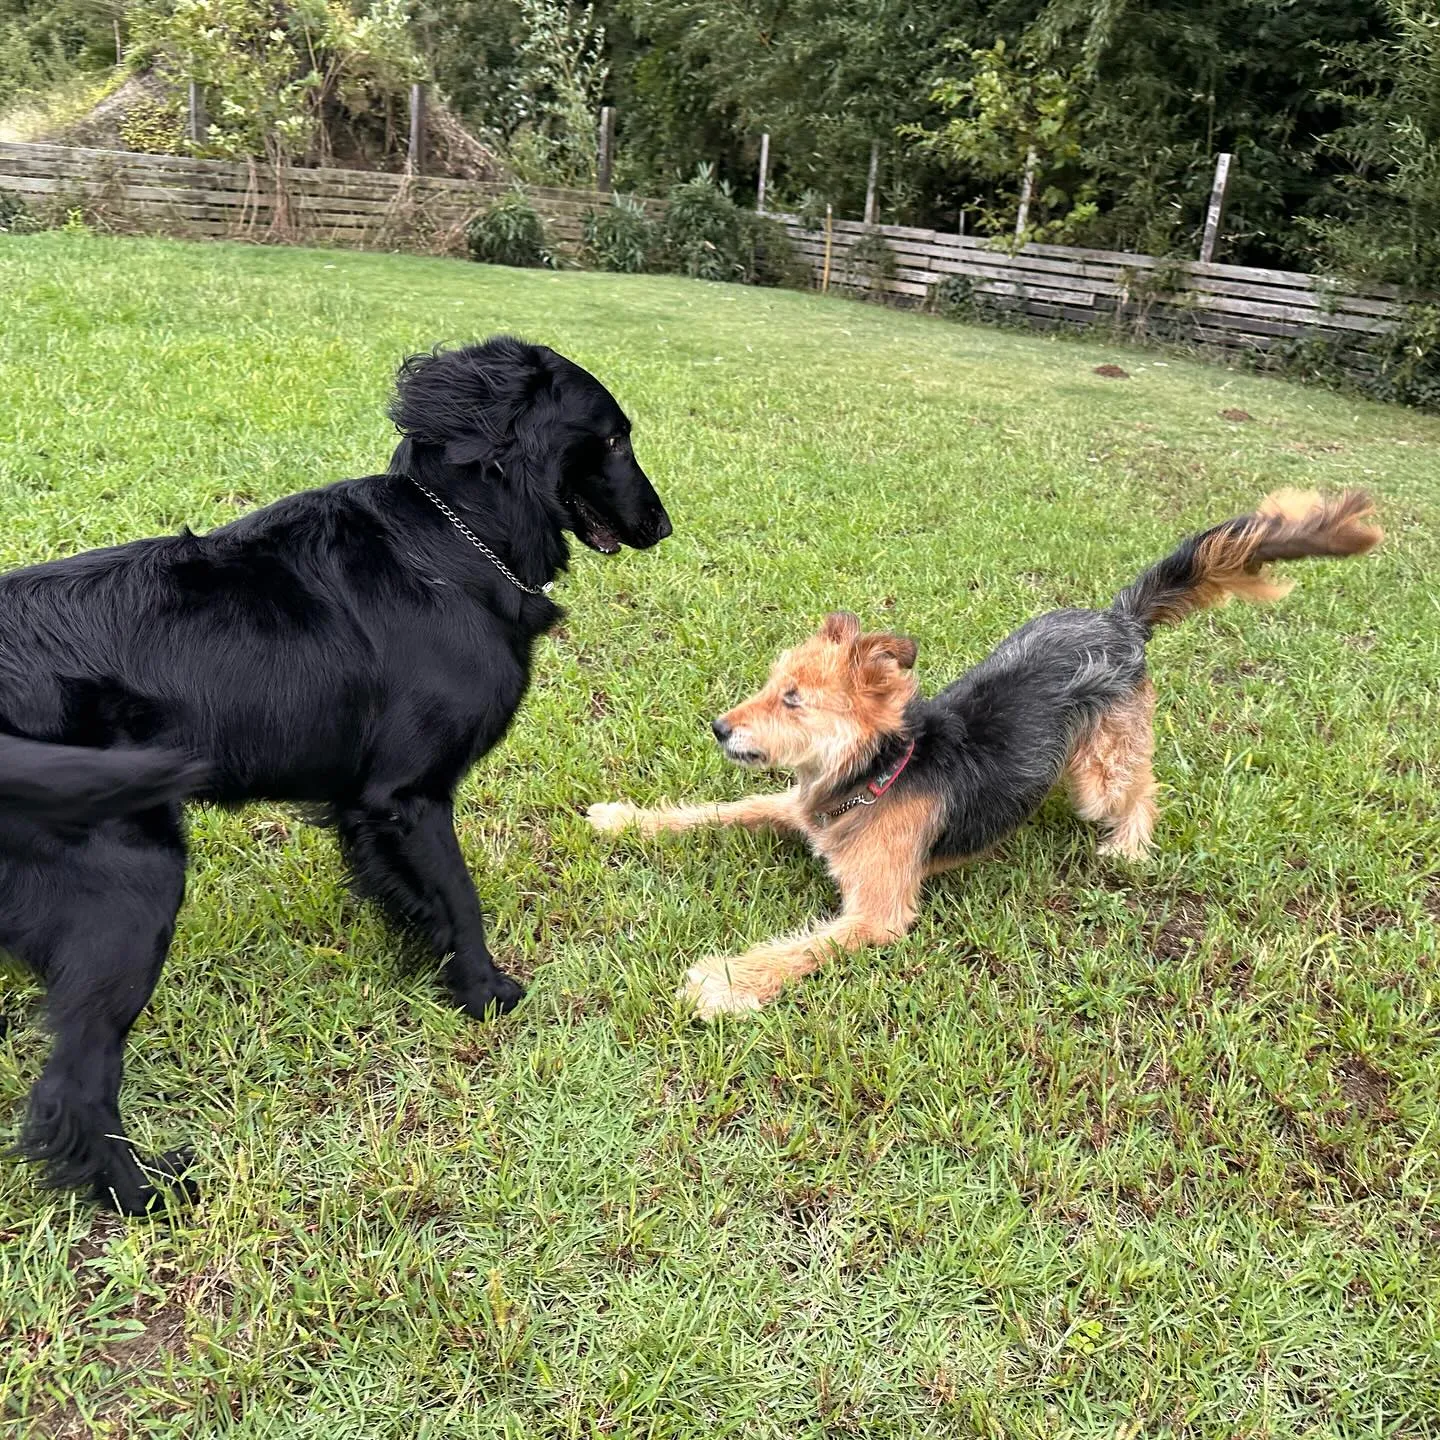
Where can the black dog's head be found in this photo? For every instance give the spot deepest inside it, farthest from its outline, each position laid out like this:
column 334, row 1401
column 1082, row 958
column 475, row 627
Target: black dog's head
column 541, row 421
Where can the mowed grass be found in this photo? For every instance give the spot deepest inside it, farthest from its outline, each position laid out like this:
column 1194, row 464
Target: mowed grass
column 1097, row 1150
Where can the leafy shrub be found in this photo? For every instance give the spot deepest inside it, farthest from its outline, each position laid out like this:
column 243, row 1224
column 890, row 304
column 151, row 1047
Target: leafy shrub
column 509, row 232
column 707, row 236
column 15, row 216
column 1404, row 366
column 771, row 257
column 954, row 297
column 869, row 263
column 153, row 127
column 810, row 210
column 622, row 237
column 703, row 229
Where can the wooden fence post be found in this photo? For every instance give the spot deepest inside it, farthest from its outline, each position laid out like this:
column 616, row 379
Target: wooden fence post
column 764, row 173
column 119, row 49
column 1216, row 213
column 606, row 163
column 194, row 111
column 871, row 183
column 415, row 157
column 1027, row 188
column 829, row 232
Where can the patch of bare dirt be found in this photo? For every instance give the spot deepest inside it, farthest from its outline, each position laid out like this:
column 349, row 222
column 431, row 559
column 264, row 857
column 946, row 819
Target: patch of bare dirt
column 1182, row 931
column 161, row 1334
column 1112, row 372
column 1366, row 1088
column 1236, row 415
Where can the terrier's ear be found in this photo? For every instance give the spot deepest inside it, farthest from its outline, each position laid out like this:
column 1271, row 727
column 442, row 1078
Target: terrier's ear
column 840, row 627
column 898, row 648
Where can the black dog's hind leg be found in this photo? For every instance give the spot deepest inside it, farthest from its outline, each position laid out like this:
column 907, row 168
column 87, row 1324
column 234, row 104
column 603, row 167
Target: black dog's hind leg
column 407, row 858
column 100, row 970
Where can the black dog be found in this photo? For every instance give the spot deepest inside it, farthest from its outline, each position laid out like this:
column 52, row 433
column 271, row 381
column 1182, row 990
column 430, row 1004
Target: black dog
column 355, row 649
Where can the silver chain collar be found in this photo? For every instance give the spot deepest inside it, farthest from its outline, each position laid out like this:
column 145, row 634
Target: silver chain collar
column 479, row 544
column 824, row 817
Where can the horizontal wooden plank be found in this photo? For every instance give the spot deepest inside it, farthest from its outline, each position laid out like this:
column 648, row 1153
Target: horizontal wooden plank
column 233, row 203
column 1229, row 305
column 437, row 184
column 1304, row 297
column 1002, row 284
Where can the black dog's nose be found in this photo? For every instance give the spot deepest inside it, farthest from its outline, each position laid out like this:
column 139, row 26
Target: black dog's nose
column 664, row 528
column 721, row 729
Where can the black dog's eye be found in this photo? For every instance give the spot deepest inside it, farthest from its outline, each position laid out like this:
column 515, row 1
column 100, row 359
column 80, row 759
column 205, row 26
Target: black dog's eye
column 791, row 699
column 614, row 442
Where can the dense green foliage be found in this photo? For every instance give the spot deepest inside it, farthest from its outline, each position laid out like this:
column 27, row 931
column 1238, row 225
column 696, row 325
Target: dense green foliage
column 621, row 236
column 703, row 230
column 44, row 41
column 275, row 71
column 1097, row 1150
column 706, row 235
column 508, row 232
column 1387, row 222
column 1329, row 107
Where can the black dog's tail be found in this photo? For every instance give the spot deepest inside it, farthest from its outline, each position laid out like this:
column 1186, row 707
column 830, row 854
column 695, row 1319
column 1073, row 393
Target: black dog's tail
column 70, row 784
column 1230, row 559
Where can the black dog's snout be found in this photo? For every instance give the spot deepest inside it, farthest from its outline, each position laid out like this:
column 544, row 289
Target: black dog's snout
column 663, row 528
column 721, row 729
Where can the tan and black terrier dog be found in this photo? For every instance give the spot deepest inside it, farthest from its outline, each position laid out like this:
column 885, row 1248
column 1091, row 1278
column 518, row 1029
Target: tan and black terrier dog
column 892, row 788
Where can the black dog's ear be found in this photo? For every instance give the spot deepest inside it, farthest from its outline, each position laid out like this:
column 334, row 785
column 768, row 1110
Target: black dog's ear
column 467, row 401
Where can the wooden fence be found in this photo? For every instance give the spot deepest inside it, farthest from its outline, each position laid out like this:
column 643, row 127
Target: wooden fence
column 1233, row 307
column 237, row 199
column 1226, row 307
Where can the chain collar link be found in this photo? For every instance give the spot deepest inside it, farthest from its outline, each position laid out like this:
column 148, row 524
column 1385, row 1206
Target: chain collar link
column 479, row 544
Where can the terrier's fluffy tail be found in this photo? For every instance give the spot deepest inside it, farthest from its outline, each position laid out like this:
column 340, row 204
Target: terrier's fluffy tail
column 1230, row 559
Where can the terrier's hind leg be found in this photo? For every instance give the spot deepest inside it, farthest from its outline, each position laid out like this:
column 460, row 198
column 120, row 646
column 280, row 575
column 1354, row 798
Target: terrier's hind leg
column 1111, row 778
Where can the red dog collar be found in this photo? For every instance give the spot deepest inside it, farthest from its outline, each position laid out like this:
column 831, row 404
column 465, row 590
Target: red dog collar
column 877, row 787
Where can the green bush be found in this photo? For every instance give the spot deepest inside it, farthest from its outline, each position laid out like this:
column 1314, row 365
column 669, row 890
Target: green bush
column 15, row 216
column 703, row 230
column 622, row 237
column 869, row 263
column 954, row 297
column 509, row 232
column 771, row 257
column 810, row 210
column 153, row 127
column 707, row 236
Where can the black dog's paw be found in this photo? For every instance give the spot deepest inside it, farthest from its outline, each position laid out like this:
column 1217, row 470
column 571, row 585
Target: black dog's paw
column 175, row 1165
column 497, row 994
column 130, row 1195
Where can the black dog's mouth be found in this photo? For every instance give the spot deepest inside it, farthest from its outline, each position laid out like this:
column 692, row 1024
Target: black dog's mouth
column 590, row 526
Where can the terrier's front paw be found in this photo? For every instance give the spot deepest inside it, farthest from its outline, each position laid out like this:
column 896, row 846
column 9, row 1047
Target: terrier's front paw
column 610, row 817
column 707, row 987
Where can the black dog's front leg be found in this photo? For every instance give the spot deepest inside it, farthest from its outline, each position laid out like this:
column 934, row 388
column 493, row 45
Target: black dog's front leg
column 407, row 858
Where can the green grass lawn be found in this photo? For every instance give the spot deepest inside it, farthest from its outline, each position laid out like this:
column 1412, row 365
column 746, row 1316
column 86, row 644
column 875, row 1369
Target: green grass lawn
column 1096, row 1151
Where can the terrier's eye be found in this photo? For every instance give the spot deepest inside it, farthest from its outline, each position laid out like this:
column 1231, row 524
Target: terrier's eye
column 791, row 699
